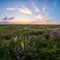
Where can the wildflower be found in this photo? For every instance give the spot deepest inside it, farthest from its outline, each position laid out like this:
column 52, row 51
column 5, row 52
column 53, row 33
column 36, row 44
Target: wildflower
column 58, row 33
column 14, row 48
column 18, row 57
column 53, row 34
column 30, row 36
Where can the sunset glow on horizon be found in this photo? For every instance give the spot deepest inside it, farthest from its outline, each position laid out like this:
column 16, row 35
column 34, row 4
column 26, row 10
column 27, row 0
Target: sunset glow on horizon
column 29, row 12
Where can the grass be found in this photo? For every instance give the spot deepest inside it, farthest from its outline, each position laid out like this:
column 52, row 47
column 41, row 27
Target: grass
column 30, row 42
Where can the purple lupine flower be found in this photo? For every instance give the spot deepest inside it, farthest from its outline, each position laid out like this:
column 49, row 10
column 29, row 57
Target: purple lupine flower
column 58, row 33
column 34, row 36
column 55, row 32
column 53, row 35
column 3, row 33
column 18, row 57
column 14, row 48
column 30, row 36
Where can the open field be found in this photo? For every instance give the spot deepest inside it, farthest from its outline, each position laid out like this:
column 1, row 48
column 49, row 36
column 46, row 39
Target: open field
column 30, row 42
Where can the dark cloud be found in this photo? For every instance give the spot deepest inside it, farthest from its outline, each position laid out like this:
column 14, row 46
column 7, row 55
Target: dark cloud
column 8, row 18
column 11, row 18
column 5, row 18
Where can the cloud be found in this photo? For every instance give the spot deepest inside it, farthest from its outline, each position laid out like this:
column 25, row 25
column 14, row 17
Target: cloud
column 11, row 18
column 45, row 11
column 25, row 10
column 8, row 18
column 5, row 18
column 10, row 9
column 45, row 8
column 35, row 8
column 40, row 17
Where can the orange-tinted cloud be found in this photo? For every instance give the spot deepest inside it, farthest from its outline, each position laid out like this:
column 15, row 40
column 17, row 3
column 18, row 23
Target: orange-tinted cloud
column 25, row 10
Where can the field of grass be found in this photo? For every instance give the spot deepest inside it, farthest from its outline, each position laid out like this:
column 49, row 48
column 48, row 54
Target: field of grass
column 30, row 42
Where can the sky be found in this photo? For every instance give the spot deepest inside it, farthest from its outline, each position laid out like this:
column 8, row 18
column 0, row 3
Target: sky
column 29, row 11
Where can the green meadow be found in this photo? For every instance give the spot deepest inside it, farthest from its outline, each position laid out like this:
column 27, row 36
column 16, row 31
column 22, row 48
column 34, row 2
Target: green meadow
column 30, row 42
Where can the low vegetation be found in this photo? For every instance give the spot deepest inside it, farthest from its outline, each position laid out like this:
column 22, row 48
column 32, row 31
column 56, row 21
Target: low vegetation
column 30, row 42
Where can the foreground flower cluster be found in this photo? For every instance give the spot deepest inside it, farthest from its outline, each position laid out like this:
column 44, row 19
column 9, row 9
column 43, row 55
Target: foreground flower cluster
column 29, row 42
